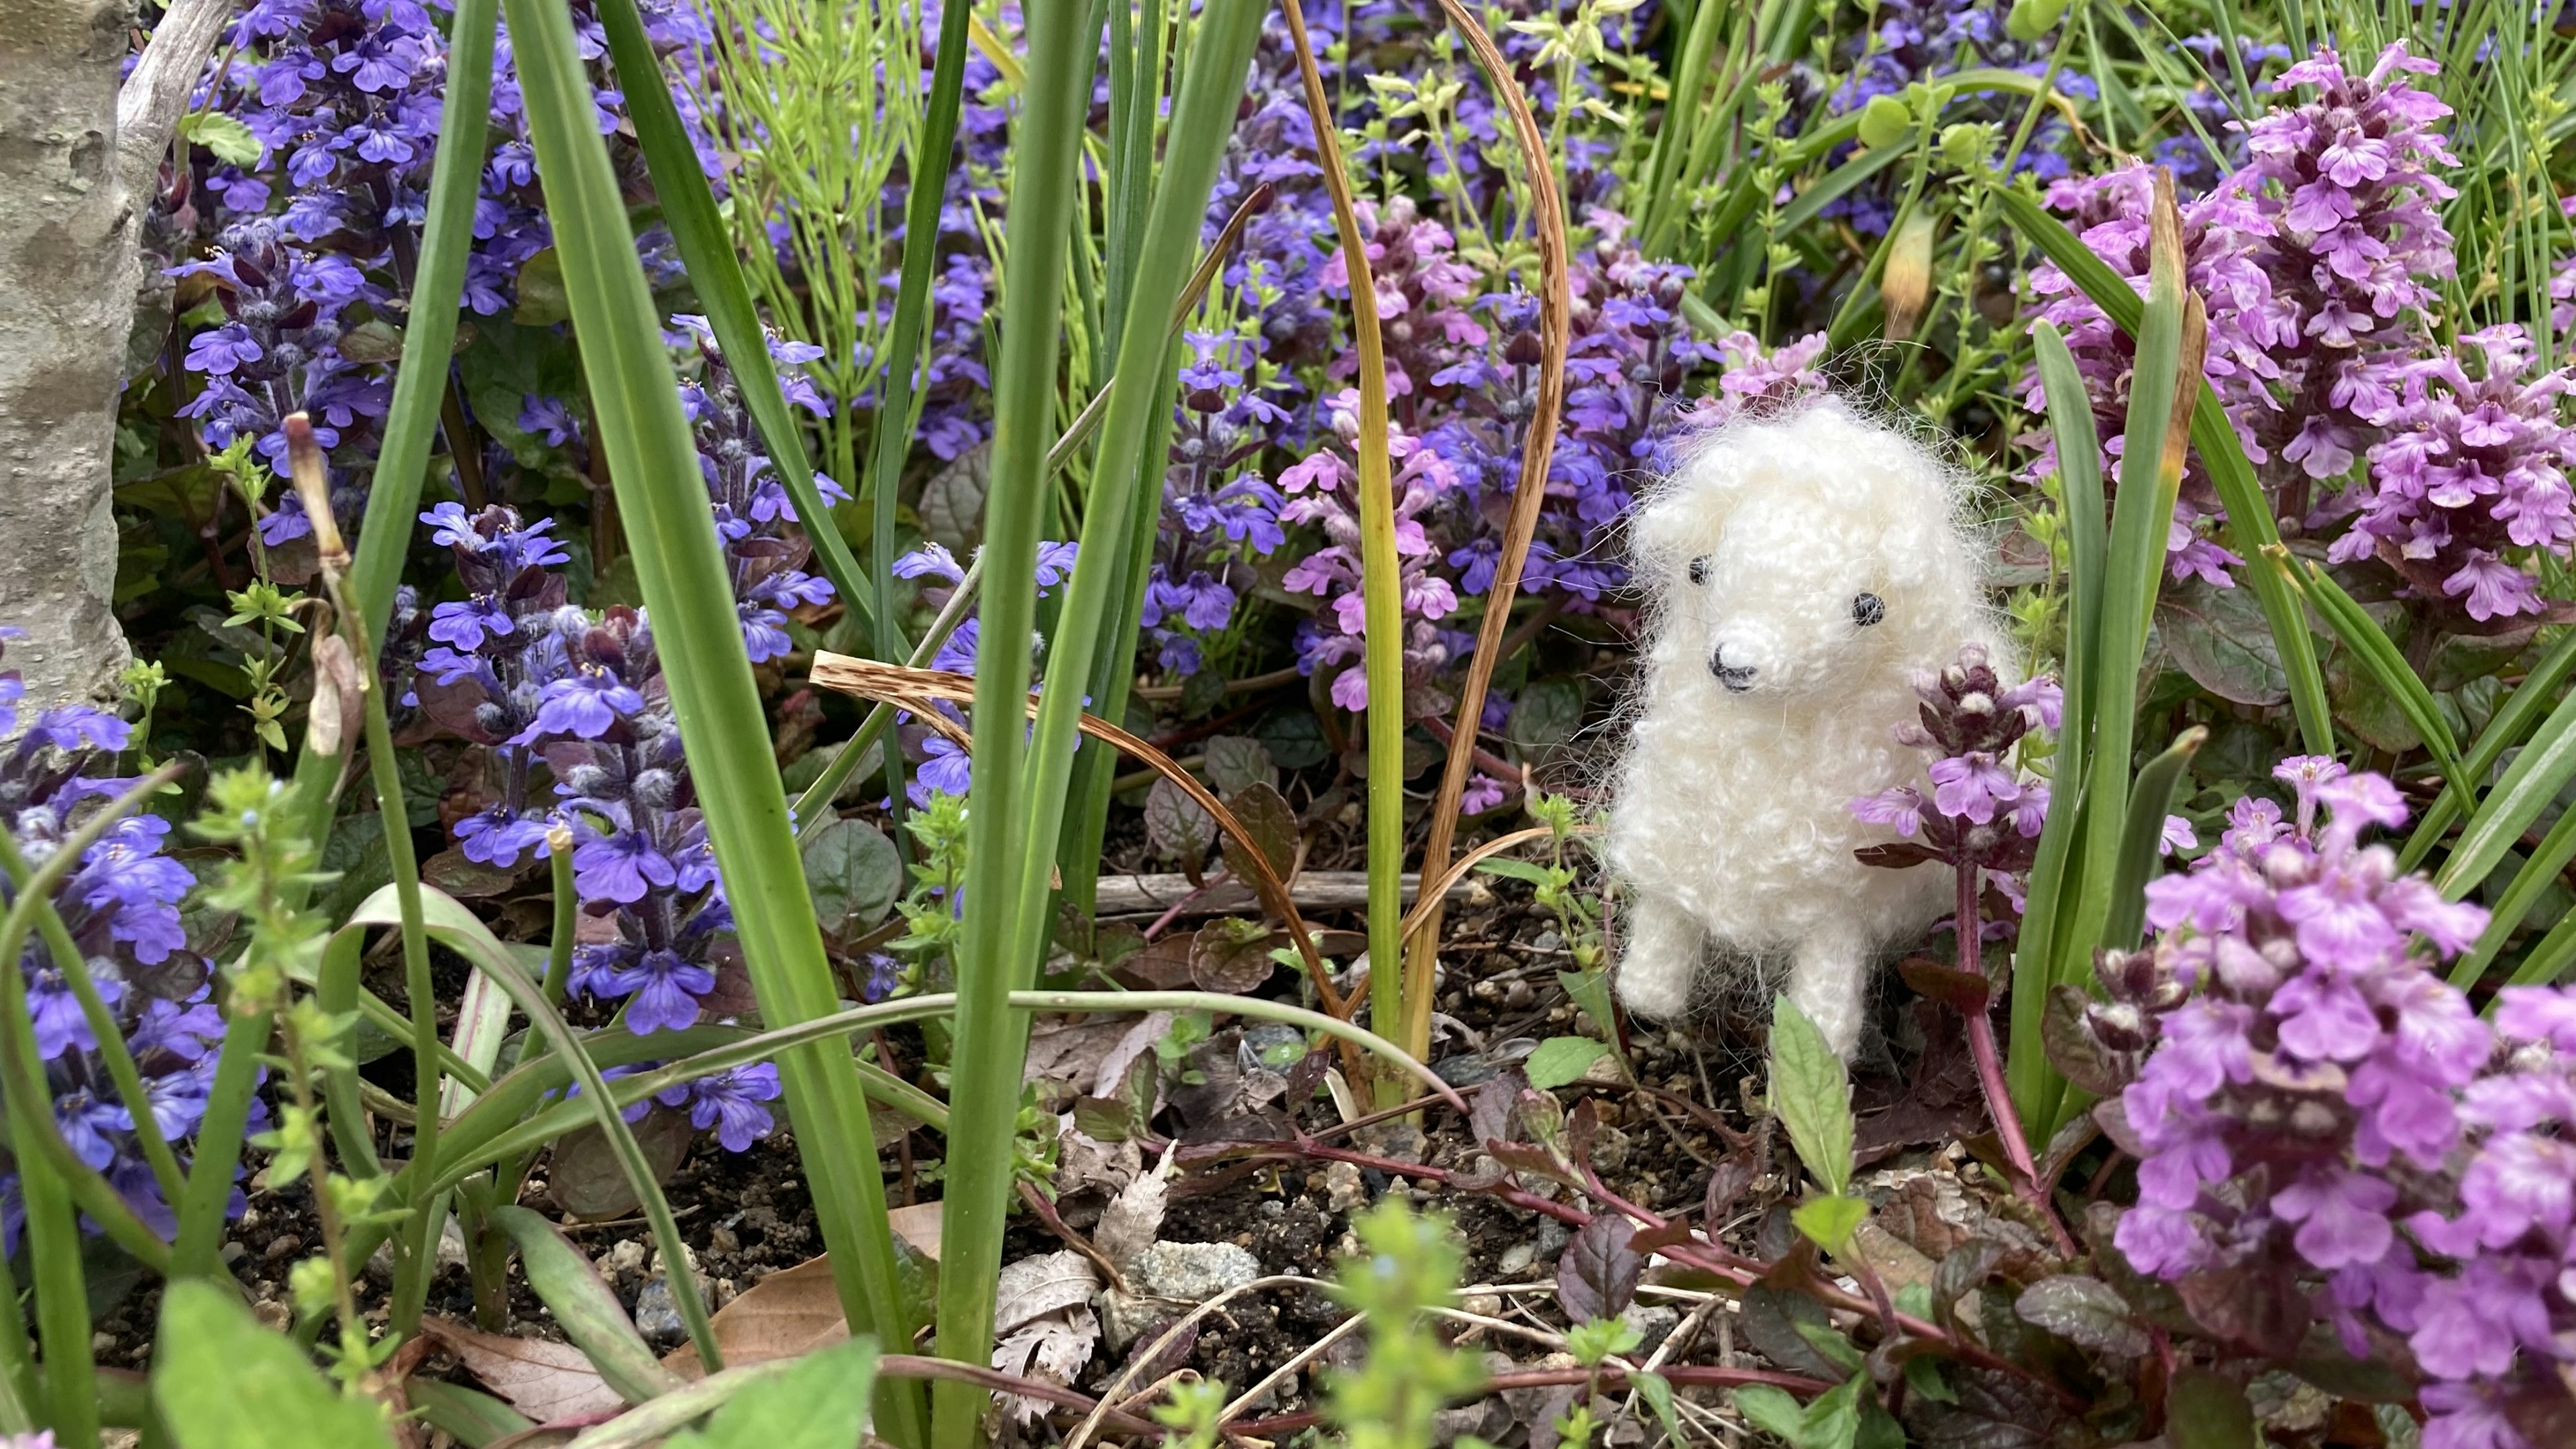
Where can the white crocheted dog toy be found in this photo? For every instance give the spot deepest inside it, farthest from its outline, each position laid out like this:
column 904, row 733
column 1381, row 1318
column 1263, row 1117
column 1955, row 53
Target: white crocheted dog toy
column 1803, row 569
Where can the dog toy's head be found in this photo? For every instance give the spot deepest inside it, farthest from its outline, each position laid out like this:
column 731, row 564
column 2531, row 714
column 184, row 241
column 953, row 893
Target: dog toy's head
column 1787, row 556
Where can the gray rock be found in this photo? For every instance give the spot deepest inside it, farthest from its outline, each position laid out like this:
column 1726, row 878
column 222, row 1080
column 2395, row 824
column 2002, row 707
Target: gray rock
column 1654, row 1323
column 1124, row 1315
column 1193, row 1272
column 1343, row 1189
column 1517, row 1259
column 1552, row 1238
column 657, row 1314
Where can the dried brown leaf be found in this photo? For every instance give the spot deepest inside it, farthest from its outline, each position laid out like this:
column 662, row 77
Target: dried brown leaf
column 538, row 1377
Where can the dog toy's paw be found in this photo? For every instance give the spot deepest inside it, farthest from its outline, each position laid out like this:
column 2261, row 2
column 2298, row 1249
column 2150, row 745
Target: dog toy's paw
column 1657, row 991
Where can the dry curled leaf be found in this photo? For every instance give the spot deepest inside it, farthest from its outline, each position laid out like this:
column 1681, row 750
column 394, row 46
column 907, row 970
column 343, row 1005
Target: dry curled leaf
column 542, row 1379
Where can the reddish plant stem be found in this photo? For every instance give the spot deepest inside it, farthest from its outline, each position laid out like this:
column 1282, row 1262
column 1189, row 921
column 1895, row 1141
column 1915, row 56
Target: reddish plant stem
column 1969, row 925
column 1680, row 1375
column 1741, row 1271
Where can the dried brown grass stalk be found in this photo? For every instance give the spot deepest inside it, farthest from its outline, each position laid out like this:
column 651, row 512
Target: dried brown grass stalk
column 916, row 690
column 1538, row 449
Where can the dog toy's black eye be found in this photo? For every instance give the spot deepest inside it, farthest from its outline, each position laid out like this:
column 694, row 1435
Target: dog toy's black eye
column 1868, row 609
column 1699, row 569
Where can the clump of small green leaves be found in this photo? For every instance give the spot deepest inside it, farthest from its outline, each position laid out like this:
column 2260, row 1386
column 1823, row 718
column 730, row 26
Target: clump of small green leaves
column 272, row 865
column 1407, row 1263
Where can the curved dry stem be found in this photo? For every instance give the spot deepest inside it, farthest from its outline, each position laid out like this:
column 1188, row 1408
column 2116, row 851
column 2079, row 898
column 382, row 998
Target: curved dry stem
column 915, row 690
column 1538, row 448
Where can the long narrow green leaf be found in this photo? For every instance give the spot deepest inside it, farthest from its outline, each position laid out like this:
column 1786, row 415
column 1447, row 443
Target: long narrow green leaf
column 2143, row 843
column 1126, row 484
column 2512, row 722
column 2537, row 875
column 705, row 245
column 2379, row 657
column 689, row 598
column 585, row 1306
column 420, row 381
column 898, row 397
column 2536, row 776
column 990, row 1042
column 2132, row 569
column 2056, row 872
column 2250, row 528
column 2550, row 960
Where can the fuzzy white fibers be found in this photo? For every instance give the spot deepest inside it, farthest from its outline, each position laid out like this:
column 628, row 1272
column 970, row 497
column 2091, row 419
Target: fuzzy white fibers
column 1802, row 569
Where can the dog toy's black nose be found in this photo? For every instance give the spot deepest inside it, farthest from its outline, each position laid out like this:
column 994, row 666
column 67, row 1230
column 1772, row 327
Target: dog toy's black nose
column 1736, row 677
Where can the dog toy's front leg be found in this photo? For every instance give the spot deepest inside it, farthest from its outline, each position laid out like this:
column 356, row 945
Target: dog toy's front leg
column 1825, row 980
column 1659, row 958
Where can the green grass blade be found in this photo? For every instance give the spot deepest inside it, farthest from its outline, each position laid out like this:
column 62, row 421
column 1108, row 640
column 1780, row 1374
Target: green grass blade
column 1127, row 483
column 420, row 381
column 2133, row 567
column 990, row 1043
column 2379, row 657
column 2549, row 961
column 2143, row 843
column 2537, row 775
column 897, row 399
column 2537, row 875
column 705, row 245
column 689, row 598
column 2250, row 529
column 2512, row 722
column 2056, row 872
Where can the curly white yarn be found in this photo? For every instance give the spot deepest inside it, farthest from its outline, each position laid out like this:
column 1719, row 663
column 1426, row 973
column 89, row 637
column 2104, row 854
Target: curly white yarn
column 1802, row 569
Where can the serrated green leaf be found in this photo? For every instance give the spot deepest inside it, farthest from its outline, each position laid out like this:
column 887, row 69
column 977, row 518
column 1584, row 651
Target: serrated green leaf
column 1811, row 1096
column 1829, row 1222
column 1561, row 1059
column 224, row 136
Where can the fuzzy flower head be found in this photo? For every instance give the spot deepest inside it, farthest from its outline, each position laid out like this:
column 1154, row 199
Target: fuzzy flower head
column 1980, row 811
column 2316, row 1112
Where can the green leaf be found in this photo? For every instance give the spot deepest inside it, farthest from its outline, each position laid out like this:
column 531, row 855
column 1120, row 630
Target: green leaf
column 1772, row 1411
column 2142, row 843
column 1811, row 1096
column 820, row 1404
column 1923, row 1377
column 2529, row 786
column 2205, row 1411
column 1562, row 1059
column 1657, row 1391
column 2084, row 1311
column 223, row 1381
column 563, row 1279
column 1829, row 1222
column 705, row 245
column 854, row 874
column 724, row 727
column 2220, row 638
column 2222, row 458
column 469, row 1416
column 1510, row 869
column 1547, row 714
column 226, row 137
column 1833, row 1420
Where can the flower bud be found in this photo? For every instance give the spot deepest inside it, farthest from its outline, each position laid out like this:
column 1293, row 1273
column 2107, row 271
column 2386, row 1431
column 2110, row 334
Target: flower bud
column 2031, row 19
column 1884, row 121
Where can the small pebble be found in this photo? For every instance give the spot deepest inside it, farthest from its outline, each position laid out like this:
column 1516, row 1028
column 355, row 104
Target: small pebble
column 1343, row 1189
